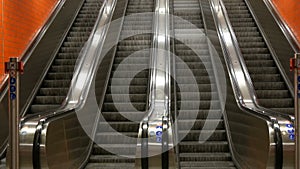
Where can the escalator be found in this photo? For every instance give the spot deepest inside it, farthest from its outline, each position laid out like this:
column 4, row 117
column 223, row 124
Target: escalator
column 271, row 89
column 56, row 83
column 194, row 150
column 113, row 148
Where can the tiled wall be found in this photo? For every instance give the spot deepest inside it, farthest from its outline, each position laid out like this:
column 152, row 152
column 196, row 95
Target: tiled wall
column 290, row 11
column 20, row 20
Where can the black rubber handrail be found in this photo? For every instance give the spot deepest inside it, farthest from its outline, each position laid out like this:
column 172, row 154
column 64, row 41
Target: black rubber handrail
column 144, row 146
column 278, row 147
column 165, row 144
column 36, row 162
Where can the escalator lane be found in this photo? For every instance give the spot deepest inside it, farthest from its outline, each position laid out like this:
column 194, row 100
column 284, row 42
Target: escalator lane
column 271, row 89
column 194, row 150
column 55, row 85
column 116, row 135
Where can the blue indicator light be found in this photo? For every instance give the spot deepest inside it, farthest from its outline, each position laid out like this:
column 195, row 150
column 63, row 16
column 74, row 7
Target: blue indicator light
column 292, row 136
column 12, row 96
column 159, row 127
column 298, row 78
column 291, row 131
column 12, row 88
column 158, row 139
column 158, row 133
column 289, row 125
column 12, row 80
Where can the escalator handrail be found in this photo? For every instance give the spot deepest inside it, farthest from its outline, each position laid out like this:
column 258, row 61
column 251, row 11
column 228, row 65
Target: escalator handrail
column 254, row 109
column 288, row 33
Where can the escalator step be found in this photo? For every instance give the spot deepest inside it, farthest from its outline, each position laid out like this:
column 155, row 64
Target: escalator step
column 124, row 116
column 53, row 92
column 208, row 165
column 98, row 165
column 110, row 159
column 196, row 124
column 205, row 157
column 49, row 99
column 116, row 138
column 136, row 89
column 208, row 146
column 203, row 135
column 136, row 106
column 121, row 149
column 201, row 114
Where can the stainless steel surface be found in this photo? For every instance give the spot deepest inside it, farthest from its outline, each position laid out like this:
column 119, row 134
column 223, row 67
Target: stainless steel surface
column 297, row 109
column 26, row 143
column 244, row 92
column 289, row 146
column 53, row 32
column 70, row 150
column 72, row 133
column 13, row 69
column 160, row 90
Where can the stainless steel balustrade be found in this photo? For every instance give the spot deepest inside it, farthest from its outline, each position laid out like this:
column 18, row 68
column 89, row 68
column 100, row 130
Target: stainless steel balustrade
column 159, row 94
column 269, row 123
column 50, row 140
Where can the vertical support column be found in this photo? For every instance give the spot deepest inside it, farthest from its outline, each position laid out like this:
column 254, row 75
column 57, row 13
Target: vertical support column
column 13, row 68
column 295, row 66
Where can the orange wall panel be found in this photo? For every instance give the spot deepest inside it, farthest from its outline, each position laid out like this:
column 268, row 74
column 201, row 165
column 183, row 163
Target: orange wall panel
column 20, row 21
column 289, row 10
column 1, row 44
